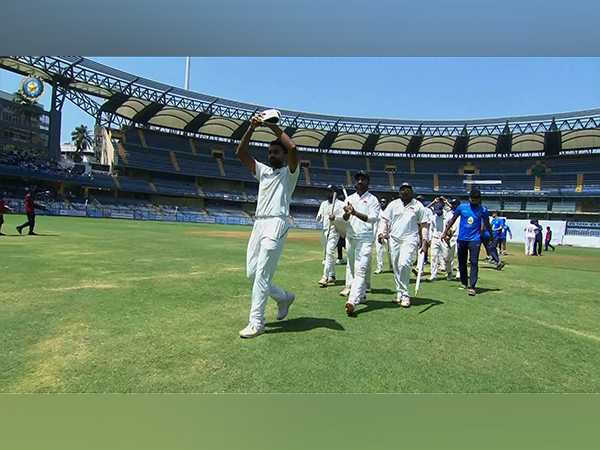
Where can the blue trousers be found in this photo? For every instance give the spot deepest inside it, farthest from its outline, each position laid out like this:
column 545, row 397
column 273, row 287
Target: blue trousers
column 468, row 250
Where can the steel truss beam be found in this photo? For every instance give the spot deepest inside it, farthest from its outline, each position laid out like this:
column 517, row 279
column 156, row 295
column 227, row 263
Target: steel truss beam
column 67, row 70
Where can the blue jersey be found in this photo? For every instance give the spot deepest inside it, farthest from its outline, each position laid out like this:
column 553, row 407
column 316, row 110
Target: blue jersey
column 498, row 225
column 505, row 230
column 471, row 220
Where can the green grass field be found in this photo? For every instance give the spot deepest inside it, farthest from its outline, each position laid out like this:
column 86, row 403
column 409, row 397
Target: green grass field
column 123, row 306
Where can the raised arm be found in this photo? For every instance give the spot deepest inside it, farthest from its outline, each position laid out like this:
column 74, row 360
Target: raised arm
column 242, row 149
column 287, row 142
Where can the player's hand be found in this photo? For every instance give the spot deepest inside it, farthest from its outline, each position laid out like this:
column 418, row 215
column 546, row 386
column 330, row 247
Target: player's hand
column 424, row 246
column 349, row 209
column 256, row 121
column 444, row 237
column 331, row 217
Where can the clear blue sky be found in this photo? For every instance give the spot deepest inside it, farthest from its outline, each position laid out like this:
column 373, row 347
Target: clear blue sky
column 407, row 88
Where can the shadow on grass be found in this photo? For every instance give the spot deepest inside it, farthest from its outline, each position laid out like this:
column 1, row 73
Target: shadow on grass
column 374, row 305
column 481, row 290
column 382, row 291
column 303, row 324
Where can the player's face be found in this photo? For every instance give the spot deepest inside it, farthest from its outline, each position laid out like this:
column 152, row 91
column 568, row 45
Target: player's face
column 475, row 200
column 406, row 194
column 361, row 184
column 277, row 156
column 383, row 203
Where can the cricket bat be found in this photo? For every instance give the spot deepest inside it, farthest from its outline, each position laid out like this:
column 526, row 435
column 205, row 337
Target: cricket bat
column 420, row 266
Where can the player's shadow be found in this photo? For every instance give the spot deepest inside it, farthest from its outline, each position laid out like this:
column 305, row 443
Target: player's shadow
column 382, row 291
column 374, row 305
column 303, row 324
column 481, row 290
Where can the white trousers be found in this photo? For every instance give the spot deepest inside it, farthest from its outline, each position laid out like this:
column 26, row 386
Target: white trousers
column 330, row 246
column 358, row 268
column 264, row 249
column 449, row 254
column 380, row 253
column 529, row 245
column 403, row 254
column 438, row 250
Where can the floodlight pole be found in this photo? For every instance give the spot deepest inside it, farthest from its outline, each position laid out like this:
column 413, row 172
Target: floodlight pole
column 187, row 73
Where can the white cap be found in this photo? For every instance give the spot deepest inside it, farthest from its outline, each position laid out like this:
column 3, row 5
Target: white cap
column 271, row 115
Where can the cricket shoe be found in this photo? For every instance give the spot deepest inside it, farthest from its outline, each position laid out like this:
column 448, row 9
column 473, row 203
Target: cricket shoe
column 378, row 271
column 331, row 281
column 284, row 307
column 323, row 282
column 472, row 292
column 345, row 292
column 251, row 331
column 398, row 299
column 500, row 266
column 405, row 302
column 340, row 261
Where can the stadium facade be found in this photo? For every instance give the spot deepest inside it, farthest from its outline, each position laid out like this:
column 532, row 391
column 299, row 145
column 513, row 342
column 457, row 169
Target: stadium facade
column 169, row 153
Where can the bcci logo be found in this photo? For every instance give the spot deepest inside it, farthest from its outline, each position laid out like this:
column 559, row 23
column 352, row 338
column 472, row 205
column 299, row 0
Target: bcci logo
column 32, row 88
column 470, row 220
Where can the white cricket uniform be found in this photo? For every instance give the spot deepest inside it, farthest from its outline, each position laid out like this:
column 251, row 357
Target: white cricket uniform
column 530, row 230
column 359, row 244
column 329, row 228
column 380, row 250
column 438, row 247
column 450, row 247
column 401, row 223
column 271, row 225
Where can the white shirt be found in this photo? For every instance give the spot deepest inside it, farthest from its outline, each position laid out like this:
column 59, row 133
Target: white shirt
column 402, row 222
column 530, row 230
column 275, row 189
column 368, row 205
column 325, row 211
column 437, row 224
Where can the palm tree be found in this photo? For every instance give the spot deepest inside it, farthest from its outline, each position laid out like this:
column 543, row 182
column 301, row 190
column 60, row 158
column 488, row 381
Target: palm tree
column 82, row 140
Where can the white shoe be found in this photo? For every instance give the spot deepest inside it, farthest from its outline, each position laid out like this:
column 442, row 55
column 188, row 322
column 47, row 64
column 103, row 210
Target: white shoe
column 398, row 299
column 251, row 331
column 405, row 302
column 284, row 307
column 331, row 281
column 340, row 261
column 345, row 292
column 378, row 271
column 323, row 282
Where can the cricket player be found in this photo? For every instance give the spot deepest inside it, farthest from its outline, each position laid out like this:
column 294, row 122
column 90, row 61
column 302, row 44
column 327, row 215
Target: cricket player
column 3, row 208
column 451, row 242
column 380, row 248
column 530, row 230
column 537, row 245
column 361, row 214
column 30, row 205
column 405, row 222
column 474, row 217
column 329, row 212
column 506, row 231
column 276, row 184
column 437, row 224
column 546, row 242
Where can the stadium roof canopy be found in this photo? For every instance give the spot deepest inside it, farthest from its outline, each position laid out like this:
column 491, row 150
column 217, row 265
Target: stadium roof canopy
column 117, row 98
